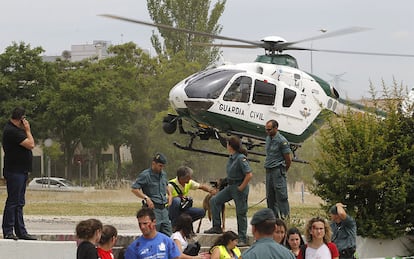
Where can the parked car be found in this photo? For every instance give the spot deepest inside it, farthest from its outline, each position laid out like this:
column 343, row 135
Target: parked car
column 53, row 183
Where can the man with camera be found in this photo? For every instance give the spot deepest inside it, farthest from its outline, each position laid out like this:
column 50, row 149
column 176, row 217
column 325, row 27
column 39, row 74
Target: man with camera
column 343, row 231
column 181, row 202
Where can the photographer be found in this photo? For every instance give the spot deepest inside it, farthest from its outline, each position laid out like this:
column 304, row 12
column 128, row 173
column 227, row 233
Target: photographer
column 181, row 203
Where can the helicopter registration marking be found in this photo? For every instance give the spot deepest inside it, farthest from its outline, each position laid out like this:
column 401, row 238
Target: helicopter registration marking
column 232, row 109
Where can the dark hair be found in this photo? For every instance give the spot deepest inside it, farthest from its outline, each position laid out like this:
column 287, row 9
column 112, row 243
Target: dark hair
column 266, row 227
column 275, row 124
column 279, row 222
column 184, row 223
column 184, row 171
column 86, row 229
column 293, row 231
column 18, row 113
column 146, row 211
column 108, row 232
column 225, row 238
column 235, row 143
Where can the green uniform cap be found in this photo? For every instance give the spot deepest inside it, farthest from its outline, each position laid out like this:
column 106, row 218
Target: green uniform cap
column 262, row 215
column 160, row 158
column 333, row 210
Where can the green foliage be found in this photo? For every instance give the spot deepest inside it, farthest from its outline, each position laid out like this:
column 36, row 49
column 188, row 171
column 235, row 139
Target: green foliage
column 23, row 75
column 193, row 15
column 366, row 162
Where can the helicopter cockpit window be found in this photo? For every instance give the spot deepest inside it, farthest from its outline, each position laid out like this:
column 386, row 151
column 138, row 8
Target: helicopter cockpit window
column 239, row 91
column 288, row 97
column 264, row 93
column 209, row 84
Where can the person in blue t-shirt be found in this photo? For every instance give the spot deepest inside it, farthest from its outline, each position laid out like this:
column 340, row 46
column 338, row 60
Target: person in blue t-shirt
column 151, row 244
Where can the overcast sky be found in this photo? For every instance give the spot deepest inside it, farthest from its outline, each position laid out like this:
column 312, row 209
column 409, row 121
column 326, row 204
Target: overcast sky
column 55, row 25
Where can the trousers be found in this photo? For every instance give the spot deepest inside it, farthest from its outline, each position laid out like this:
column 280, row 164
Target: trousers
column 174, row 211
column 240, row 199
column 13, row 208
column 276, row 191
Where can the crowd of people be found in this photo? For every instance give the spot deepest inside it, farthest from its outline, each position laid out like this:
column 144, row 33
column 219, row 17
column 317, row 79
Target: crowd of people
column 166, row 219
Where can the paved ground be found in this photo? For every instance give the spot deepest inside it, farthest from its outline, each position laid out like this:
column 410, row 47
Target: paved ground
column 126, row 225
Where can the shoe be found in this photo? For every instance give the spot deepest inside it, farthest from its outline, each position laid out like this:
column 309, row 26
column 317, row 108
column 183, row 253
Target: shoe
column 214, row 230
column 10, row 236
column 242, row 243
column 27, row 237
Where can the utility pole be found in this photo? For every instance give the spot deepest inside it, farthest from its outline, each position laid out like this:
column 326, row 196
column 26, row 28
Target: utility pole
column 311, row 55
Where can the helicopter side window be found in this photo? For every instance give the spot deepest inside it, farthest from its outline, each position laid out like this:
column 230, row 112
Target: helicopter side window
column 288, row 97
column 239, row 91
column 264, row 93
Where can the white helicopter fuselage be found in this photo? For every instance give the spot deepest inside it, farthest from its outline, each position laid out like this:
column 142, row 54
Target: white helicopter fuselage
column 298, row 99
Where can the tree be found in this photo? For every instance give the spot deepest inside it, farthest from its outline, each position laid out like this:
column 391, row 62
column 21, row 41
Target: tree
column 23, row 75
column 366, row 162
column 192, row 15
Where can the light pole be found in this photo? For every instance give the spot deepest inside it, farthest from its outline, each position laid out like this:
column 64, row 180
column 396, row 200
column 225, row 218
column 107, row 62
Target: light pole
column 311, row 55
column 48, row 143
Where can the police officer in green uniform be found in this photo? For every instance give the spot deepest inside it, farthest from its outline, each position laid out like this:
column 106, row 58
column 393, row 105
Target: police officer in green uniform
column 263, row 225
column 277, row 163
column 239, row 174
column 344, row 231
column 152, row 186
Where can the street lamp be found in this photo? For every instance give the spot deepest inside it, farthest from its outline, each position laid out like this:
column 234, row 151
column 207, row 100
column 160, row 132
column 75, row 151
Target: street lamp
column 48, row 143
column 311, row 56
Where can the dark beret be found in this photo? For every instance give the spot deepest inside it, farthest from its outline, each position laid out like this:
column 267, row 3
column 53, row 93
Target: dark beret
column 333, row 210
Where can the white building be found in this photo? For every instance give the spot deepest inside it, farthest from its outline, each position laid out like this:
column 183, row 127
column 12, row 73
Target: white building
column 98, row 49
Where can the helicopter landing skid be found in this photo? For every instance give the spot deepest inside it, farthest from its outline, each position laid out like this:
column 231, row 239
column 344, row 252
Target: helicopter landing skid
column 204, row 151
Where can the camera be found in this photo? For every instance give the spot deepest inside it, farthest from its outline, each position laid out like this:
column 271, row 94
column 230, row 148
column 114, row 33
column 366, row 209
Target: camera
column 186, row 202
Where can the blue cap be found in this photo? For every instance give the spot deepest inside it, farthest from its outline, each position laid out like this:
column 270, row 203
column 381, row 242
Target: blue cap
column 160, row 158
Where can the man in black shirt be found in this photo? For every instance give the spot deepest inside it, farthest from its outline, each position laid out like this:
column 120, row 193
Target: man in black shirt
column 18, row 143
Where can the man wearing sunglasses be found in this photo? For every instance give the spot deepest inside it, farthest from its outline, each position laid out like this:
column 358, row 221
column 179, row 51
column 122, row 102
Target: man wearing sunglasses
column 277, row 163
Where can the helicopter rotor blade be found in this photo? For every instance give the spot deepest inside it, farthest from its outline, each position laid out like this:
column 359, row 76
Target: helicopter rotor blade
column 221, row 45
column 364, row 53
column 272, row 46
column 332, row 34
column 163, row 26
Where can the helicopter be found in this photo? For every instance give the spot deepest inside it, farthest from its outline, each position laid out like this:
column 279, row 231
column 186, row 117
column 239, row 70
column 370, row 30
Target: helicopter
column 238, row 99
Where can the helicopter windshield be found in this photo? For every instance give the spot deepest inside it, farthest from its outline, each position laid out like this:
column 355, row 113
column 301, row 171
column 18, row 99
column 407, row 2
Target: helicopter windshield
column 281, row 59
column 209, row 84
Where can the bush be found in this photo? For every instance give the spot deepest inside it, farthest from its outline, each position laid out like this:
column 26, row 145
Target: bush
column 366, row 163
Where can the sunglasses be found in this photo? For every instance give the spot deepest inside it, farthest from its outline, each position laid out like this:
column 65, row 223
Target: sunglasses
column 269, row 129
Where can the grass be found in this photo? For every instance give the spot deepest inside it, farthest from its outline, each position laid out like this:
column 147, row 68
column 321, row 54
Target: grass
column 122, row 203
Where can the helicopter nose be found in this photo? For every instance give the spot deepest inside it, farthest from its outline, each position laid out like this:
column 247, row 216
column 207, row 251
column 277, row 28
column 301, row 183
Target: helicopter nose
column 197, row 107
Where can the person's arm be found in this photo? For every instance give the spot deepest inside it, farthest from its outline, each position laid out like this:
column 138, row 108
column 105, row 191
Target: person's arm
column 28, row 142
column 206, row 188
column 169, row 195
column 288, row 160
column 140, row 194
column 341, row 210
column 215, row 254
column 246, row 181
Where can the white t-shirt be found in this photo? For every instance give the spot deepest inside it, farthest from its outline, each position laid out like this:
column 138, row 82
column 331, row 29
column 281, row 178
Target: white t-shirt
column 183, row 241
column 321, row 253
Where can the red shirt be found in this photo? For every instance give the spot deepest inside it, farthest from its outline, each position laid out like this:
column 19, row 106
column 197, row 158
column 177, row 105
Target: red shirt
column 103, row 254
